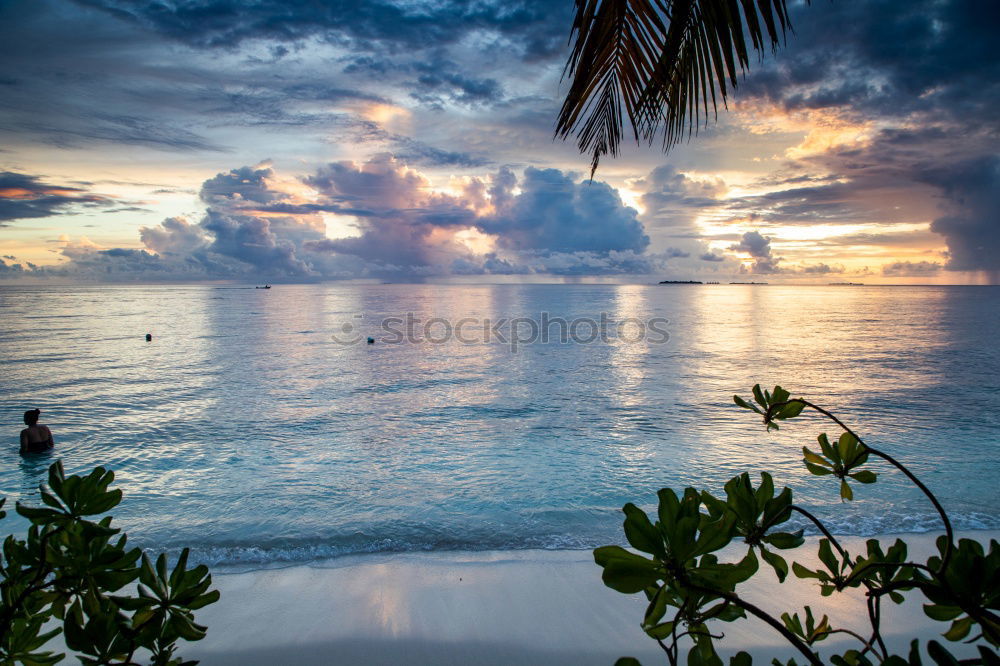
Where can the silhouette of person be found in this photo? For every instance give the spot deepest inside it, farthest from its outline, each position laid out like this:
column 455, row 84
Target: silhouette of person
column 35, row 438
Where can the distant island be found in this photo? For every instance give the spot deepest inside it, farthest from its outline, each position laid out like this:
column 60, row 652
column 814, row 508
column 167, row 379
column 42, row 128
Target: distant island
column 680, row 282
column 747, row 283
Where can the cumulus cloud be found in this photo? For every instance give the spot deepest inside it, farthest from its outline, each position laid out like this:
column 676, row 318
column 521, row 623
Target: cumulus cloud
column 175, row 236
column 259, row 223
column 10, row 270
column 552, row 225
column 911, row 269
column 821, row 269
column 552, row 212
column 758, row 247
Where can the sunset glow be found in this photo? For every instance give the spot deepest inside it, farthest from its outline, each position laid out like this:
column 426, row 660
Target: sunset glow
column 333, row 151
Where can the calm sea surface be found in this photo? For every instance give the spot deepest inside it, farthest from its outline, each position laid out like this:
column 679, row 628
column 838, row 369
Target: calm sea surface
column 247, row 432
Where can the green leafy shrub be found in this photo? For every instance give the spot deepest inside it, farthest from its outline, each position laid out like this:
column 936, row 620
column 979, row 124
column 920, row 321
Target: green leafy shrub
column 72, row 575
column 687, row 586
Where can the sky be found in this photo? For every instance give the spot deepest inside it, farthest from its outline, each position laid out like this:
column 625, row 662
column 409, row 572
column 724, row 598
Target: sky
column 412, row 140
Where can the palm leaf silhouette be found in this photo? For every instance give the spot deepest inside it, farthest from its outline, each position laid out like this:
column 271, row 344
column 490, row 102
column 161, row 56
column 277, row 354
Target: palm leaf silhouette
column 660, row 64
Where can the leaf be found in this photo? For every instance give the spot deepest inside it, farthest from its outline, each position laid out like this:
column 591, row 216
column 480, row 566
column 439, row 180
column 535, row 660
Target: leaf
column 942, row 613
column 204, row 600
column 845, row 491
column 605, row 554
column 627, row 661
column 629, row 576
column 765, row 490
column 660, row 631
column 741, row 659
column 817, row 470
column 813, row 458
column 846, row 445
column 744, row 404
column 715, row 535
column 988, row 656
column 791, row 410
column 864, row 476
column 828, row 449
column 827, row 557
column 640, row 532
column 777, row 563
column 959, row 629
column 785, row 540
column 656, row 609
column 940, row 655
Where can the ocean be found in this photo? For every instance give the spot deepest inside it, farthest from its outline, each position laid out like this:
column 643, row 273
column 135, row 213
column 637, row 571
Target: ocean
column 259, row 427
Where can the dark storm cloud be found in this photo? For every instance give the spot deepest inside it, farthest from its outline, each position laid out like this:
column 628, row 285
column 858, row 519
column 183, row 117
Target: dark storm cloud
column 439, row 81
column 836, row 203
column 930, row 68
column 889, row 58
column 539, row 28
column 23, row 196
column 955, row 171
column 972, row 226
column 77, row 79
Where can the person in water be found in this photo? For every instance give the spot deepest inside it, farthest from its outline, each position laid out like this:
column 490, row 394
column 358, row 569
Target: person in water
column 35, row 438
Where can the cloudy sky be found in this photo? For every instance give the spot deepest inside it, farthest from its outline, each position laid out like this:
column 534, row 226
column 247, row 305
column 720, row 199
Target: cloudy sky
column 404, row 140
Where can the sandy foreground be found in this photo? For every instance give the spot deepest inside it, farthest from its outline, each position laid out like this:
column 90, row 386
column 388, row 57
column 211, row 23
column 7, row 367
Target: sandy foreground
column 491, row 608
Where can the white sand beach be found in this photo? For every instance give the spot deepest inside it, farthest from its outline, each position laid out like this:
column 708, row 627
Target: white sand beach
column 491, row 608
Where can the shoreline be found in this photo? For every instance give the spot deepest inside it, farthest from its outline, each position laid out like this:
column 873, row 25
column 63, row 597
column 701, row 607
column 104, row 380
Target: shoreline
column 498, row 607
column 234, row 567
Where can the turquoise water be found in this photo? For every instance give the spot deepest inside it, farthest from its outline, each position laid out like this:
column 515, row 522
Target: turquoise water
column 246, row 431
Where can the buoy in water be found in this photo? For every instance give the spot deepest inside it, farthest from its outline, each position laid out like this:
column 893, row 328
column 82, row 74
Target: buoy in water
column 371, row 341
column 149, row 337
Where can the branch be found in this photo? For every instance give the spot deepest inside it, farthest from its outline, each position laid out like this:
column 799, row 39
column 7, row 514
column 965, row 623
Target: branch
column 826, row 532
column 769, row 414
column 36, row 585
column 766, row 617
column 875, row 619
column 866, row 643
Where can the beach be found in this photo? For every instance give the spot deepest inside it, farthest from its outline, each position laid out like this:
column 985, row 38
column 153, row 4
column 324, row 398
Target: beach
column 493, row 608
column 433, row 503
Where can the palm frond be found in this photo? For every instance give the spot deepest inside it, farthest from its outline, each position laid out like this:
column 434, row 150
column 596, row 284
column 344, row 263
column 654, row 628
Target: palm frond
column 660, row 64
